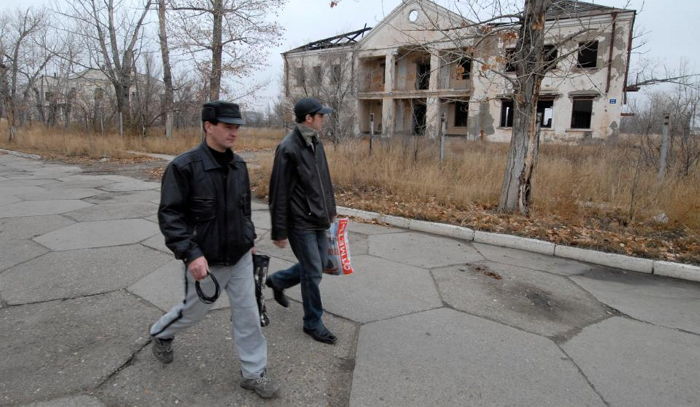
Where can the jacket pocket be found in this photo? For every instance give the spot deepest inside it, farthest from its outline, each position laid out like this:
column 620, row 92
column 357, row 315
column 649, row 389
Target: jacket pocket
column 203, row 209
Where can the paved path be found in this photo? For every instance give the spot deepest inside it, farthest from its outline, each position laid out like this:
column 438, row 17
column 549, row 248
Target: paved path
column 424, row 320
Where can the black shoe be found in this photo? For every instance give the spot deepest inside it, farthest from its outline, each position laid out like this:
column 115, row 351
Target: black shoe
column 324, row 335
column 278, row 293
column 163, row 349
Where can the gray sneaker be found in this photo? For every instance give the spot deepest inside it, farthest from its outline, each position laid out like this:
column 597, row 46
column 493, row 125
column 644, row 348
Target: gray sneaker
column 263, row 385
column 163, row 349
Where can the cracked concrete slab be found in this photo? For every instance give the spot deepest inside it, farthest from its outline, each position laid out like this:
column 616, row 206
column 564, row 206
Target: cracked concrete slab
column 21, row 250
column 411, row 290
column 31, row 226
column 89, row 181
column 86, row 235
column 422, row 250
column 448, row 358
column 310, row 373
column 70, row 401
column 531, row 260
column 62, row 193
column 78, row 273
column 14, row 190
column 372, row 229
column 39, row 208
column 358, row 243
column 636, row 364
column 109, row 211
column 157, row 242
column 659, row 300
column 165, row 286
column 56, row 348
column 531, row 300
column 131, row 185
column 125, row 197
column 261, row 219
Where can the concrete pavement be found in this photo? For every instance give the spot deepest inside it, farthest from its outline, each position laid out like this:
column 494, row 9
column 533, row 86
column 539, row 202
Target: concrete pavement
column 424, row 320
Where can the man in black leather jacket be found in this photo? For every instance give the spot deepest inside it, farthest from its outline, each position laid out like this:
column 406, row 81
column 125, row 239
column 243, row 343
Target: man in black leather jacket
column 205, row 217
column 302, row 207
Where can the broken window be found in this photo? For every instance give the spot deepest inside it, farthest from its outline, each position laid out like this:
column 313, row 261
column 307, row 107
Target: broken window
column 335, row 73
column 545, row 109
column 463, row 69
column 506, row 112
column 317, row 75
column 581, row 113
column 422, row 75
column 299, row 76
column 550, row 55
column 587, row 54
column 510, row 56
column 461, row 114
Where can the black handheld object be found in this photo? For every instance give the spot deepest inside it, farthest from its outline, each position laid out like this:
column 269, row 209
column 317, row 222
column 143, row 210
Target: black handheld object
column 203, row 297
column 260, row 266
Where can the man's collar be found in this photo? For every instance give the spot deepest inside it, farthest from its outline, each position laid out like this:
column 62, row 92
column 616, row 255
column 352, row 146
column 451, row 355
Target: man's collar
column 310, row 135
column 210, row 162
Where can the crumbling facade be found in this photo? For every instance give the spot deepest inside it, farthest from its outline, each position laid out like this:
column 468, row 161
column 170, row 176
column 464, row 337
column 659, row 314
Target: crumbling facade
column 416, row 74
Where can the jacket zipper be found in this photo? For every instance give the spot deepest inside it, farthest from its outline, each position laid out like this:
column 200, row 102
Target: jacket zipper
column 323, row 191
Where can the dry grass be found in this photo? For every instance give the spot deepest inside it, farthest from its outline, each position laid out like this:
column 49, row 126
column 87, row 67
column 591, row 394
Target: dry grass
column 583, row 194
column 70, row 143
column 569, row 180
column 592, row 196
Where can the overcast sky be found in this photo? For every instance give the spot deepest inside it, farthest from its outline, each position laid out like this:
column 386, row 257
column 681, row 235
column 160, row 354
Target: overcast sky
column 672, row 27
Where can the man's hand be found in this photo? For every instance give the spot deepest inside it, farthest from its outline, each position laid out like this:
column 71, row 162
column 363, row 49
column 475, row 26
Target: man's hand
column 199, row 268
column 280, row 243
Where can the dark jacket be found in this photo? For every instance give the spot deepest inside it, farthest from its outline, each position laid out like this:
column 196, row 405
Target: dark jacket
column 205, row 208
column 301, row 192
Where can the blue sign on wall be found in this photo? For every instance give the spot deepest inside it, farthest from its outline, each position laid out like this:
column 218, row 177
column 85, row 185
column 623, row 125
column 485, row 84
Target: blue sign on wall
column 613, row 101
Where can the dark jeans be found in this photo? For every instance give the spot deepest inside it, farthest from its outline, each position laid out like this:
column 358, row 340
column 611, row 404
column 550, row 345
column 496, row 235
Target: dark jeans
column 311, row 250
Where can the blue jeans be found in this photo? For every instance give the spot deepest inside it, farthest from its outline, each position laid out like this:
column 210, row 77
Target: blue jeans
column 311, row 250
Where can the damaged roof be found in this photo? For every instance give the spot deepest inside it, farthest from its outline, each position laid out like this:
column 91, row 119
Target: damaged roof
column 335, row 41
column 575, row 8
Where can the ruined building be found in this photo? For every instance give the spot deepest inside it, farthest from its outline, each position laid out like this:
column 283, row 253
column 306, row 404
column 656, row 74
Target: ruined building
column 424, row 69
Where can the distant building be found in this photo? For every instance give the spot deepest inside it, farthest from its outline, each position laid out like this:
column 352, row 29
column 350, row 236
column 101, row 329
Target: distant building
column 407, row 78
column 88, row 92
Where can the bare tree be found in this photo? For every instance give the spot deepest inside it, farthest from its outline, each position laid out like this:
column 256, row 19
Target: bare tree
column 531, row 66
column 22, row 59
column 110, row 31
column 681, row 143
column 167, row 74
column 228, row 36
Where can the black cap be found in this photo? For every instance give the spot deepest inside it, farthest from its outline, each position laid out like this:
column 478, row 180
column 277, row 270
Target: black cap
column 220, row 111
column 309, row 106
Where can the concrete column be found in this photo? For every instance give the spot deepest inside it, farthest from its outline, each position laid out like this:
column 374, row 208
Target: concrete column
column 432, row 116
column 434, row 83
column 388, row 110
column 389, row 71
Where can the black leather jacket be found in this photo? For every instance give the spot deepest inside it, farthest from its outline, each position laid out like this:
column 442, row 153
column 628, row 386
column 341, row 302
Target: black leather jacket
column 301, row 192
column 205, row 208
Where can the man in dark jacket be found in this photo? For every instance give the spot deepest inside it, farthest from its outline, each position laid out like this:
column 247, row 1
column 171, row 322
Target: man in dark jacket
column 205, row 217
column 302, row 207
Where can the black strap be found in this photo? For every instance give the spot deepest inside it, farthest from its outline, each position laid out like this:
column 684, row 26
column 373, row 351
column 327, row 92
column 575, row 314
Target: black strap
column 202, row 296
